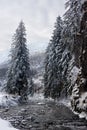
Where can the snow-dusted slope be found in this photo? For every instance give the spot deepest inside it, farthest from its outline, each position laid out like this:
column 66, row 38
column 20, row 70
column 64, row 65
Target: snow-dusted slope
column 8, row 100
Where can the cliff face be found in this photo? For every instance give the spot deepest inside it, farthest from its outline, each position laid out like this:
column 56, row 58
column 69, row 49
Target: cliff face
column 83, row 30
column 79, row 93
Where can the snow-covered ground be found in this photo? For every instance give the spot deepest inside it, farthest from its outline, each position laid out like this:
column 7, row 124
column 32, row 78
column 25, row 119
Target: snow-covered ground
column 65, row 102
column 7, row 100
column 5, row 125
column 37, row 97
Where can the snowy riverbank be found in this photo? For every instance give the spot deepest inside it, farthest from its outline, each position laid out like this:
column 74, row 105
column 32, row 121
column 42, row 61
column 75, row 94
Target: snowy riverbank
column 5, row 125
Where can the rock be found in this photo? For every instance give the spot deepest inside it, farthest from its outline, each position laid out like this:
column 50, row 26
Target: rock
column 42, row 111
column 16, row 123
column 23, row 122
column 41, row 103
column 31, row 117
column 36, row 122
column 6, row 109
column 20, row 118
column 30, row 126
column 33, row 129
column 63, row 128
column 23, row 110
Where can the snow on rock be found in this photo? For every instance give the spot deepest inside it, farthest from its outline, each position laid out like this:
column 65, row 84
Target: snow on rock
column 38, row 81
column 81, row 106
column 74, row 73
column 8, row 100
column 75, row 92
column 5, row 125
column 82, row 115
column 83, row 101
column 65, row 102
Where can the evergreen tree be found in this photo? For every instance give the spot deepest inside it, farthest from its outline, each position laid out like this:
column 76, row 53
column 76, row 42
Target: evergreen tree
column 70, row 35
column 53, row 69
column 66, row 60
column 19, row 70
column 46, row 74
column 72, row 20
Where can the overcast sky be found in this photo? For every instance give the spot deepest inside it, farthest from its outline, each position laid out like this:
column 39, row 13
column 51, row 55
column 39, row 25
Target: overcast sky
column 39, row 17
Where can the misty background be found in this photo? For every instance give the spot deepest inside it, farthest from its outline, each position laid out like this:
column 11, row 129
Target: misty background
column 39, row 17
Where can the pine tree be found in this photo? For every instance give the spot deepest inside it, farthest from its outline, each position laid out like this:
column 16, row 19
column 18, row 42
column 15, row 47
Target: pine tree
column 72, row 16
column 19, row 70
column 65, row 60
column 46, row 74
column 72, row 19
column 70, row 39
column 53, row 82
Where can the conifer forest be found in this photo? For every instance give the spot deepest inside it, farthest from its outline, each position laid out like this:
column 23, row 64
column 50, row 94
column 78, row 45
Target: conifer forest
column 46, row 90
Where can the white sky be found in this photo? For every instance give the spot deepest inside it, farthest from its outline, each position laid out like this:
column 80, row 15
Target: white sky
column 39, row 17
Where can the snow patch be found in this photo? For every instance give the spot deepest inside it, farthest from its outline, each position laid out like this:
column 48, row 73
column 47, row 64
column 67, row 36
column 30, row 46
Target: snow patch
column 74, row 73
column 8, row 100
column 38, row 80
column 37, row 97
column 65, row 102
column 5, row 125
column 83, row 101
column 82, row 115
column 82, row 105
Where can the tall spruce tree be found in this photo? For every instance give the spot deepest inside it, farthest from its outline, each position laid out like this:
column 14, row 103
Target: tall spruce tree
column 46, row 74
column 53, row 69
column 19, row 70
column 72, row 20
column 66, row 60
column 71, row 31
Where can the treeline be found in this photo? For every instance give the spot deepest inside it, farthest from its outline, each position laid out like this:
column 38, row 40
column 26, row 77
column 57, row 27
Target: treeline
column 62, row 51
column 66, row 56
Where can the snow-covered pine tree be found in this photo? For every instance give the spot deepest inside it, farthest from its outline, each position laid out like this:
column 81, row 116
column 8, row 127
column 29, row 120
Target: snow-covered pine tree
column 65, row 60
column 72, row 19
column 19, row 70
column 46, row 74
column 53, row 69
column 71, row 31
